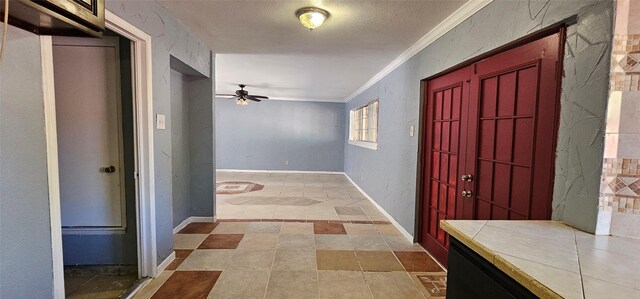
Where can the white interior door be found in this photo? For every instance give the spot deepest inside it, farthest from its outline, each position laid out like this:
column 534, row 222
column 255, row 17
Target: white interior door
column 87, row 90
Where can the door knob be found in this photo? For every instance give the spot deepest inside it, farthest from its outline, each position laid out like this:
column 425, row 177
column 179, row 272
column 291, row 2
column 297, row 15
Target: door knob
column 466, row 193
column 467, row 178
column 110, row 169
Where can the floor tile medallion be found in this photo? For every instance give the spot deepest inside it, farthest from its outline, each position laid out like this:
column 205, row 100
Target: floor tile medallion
column 237, row 187
column 432, row 285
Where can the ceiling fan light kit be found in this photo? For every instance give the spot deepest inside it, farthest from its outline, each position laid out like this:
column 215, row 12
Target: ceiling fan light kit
column 312, row 17
column 242, row 102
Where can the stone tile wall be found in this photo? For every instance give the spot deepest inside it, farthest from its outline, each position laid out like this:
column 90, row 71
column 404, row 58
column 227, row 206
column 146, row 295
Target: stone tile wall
column 620, row 184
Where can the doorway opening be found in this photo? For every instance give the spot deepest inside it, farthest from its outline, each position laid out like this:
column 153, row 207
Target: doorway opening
column 489, row 131
column 139, row 224
column 96, row 159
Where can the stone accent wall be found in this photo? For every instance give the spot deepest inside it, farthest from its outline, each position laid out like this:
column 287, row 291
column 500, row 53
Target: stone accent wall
column 620, row 184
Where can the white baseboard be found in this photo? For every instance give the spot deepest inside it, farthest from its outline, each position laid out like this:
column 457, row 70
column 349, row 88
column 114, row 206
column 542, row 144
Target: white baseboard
column 192, row 219
column 382, row 210
column 140, row 284
column 603, row 225
column 202, row 219
column 280, row 171
column 181, row 225
column 166, row 262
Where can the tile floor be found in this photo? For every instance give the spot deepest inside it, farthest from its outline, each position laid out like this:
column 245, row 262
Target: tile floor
column 98, row 286
column 301, row 236
column 293, row 196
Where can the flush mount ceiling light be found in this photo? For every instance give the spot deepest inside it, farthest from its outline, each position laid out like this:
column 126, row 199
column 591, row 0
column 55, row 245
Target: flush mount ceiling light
column 312, row 17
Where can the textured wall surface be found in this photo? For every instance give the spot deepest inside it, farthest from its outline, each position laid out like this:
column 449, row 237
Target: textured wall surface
column 180, row 148
column 26, row 267
column 583, row 106
column 169, row 38
column 192, row 136
column 388, row 174
column 262, row 136
column 202, row 144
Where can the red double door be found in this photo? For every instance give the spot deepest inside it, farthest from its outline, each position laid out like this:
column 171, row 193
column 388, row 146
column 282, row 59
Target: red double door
column 489, row 140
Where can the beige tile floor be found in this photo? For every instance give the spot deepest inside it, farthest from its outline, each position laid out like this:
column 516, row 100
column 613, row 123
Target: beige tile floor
column 336, row 198
column 339, row 247
column 98, row 286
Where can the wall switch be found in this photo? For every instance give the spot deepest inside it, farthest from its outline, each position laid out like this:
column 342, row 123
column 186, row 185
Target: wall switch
column 412, row 130
column 160, row 122
column 286, row 162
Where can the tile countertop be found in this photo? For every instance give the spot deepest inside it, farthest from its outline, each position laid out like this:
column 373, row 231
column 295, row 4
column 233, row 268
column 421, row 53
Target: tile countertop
column 554, row 260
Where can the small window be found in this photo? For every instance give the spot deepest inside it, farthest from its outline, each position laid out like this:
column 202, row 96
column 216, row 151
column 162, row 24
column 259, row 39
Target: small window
column 364, row 126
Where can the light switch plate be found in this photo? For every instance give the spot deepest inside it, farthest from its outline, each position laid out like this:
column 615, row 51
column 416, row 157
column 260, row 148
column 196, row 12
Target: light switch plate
column 160, row 121
column 412, row 130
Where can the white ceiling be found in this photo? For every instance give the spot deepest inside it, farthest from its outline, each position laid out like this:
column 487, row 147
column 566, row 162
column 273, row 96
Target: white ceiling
column 262, row 44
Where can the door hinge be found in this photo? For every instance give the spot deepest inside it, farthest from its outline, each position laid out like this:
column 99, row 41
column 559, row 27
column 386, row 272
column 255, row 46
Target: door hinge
column 136, row 175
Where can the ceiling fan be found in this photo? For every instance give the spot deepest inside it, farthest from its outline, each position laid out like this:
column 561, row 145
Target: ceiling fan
column 241, row 96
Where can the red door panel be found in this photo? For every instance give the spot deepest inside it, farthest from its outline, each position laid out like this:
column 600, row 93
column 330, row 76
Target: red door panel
column 446, row 121
column 514, row 98
column 495, row 122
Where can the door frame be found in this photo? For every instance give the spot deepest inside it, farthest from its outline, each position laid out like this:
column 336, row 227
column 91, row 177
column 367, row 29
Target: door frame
column 421, row 165
column 143, row 143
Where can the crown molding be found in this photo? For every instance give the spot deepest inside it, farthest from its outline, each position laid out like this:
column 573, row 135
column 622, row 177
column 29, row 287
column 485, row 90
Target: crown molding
column 457, row 17
column 307, row 100
column 293, row 99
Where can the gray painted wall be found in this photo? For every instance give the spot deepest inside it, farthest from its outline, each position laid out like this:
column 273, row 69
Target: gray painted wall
column 169, row 38
column 25, row 240
column 113, row 249
column 25, row 236
column 180, row 147
column 261, row 136
column 202, row 143
column 192, row 139
column 388, row 175
column 583, row 104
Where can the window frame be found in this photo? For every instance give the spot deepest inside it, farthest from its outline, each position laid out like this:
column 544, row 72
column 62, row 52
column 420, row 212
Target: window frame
column 352, row 126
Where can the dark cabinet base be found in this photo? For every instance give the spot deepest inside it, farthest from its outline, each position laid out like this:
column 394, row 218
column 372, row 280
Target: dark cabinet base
column 471, row 276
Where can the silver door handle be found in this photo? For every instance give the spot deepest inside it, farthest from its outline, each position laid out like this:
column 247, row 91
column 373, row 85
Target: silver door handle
column 466, row 178
column 466, row 193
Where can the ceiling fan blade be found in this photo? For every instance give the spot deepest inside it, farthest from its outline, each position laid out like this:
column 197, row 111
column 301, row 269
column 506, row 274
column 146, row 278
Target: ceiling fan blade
column 260, row 97
column 252, row 98
column 225, row 95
